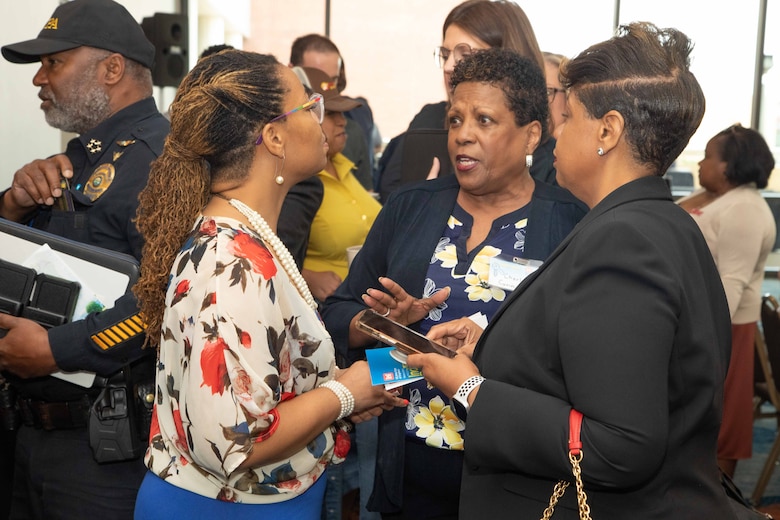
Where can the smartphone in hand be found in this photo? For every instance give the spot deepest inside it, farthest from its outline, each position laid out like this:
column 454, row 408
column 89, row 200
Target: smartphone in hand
column 401, row 337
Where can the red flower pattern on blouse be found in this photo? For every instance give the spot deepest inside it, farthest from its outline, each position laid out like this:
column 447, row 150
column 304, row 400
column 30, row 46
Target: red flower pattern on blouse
column 227, row 495
column 182, row 289
column 154, row 428
column 342, row 444
column 289, row 484
column 242, row 383
column 181, row 439
column 244, row 245
column 208, row 227
column 246, row 339
column 201, row 331
column 212, row 363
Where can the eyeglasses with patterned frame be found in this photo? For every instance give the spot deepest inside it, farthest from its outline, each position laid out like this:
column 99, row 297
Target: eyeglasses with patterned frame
column 315, row 104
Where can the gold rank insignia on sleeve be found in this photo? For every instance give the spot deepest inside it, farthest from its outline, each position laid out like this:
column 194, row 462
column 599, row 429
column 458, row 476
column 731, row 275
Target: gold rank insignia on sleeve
column 119, row 333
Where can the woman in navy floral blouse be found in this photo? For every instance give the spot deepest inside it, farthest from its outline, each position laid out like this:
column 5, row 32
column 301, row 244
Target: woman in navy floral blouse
column 248, row 392
column 449, row 248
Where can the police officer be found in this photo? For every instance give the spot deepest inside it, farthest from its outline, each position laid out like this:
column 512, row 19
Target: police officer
column 95, row 80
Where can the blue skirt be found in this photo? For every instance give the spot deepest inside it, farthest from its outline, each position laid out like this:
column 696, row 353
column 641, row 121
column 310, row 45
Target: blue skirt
column 159, row 499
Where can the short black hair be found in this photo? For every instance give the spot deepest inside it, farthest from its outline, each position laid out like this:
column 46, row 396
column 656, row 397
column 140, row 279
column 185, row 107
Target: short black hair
column 747, row 156
column 644, row 74
column 519, row 77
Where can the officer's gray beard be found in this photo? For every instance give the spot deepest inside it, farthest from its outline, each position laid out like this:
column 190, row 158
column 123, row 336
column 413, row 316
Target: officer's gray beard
column 86, row 106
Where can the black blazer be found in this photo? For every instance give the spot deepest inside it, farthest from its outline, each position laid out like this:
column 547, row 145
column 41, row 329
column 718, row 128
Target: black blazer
column 627, row 322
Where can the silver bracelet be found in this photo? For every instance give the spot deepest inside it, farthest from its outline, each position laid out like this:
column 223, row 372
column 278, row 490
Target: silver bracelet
column 346, row 399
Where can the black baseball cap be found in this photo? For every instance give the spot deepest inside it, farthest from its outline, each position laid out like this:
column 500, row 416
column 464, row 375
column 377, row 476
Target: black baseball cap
column 103, row 24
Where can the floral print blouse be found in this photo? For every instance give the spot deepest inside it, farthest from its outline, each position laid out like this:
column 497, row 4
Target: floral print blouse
column 237, row 339
column 430, row 418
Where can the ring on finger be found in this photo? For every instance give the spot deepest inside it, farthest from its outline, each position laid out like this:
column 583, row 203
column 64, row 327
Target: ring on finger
column 387, row 313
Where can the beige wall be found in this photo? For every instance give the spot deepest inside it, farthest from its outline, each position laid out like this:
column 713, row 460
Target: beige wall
column 390, row 63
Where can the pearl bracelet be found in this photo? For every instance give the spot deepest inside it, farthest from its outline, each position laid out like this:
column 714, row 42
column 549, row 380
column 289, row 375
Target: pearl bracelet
column 346, row 399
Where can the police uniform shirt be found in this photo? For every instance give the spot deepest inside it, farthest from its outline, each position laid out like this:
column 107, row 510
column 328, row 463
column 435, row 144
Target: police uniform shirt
column 110, row 168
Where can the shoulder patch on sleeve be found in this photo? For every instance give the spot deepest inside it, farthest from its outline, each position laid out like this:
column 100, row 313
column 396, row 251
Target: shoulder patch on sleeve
column 119, row 333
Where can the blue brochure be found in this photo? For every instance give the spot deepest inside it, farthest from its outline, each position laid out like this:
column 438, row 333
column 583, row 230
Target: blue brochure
column 387, row 370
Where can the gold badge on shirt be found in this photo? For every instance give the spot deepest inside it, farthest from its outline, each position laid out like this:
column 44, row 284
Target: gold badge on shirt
column 99, row 181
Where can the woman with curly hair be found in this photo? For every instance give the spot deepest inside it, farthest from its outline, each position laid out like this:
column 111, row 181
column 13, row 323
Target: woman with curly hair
column 247, row 387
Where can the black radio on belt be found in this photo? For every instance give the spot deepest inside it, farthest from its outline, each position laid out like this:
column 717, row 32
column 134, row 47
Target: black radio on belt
column 120, row 417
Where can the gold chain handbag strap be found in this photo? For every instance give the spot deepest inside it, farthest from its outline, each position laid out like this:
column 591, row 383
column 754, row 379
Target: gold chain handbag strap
column 575, row 456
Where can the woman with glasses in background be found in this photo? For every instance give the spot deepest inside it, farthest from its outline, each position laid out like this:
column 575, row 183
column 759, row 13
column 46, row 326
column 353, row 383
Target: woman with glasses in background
column 556, row 94
column 471, row 26
column 248, row 392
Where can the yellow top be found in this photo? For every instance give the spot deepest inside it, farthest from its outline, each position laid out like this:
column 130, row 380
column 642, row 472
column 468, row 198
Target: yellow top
column 344, row 218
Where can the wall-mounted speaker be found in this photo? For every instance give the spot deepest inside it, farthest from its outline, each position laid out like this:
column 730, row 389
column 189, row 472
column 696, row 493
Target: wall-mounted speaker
column 170, row 36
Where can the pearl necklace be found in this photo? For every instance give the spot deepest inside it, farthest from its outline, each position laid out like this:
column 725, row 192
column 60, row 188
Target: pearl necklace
column 277, row 248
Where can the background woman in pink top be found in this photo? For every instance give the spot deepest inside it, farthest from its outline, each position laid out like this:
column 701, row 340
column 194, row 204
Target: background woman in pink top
column 740, row 231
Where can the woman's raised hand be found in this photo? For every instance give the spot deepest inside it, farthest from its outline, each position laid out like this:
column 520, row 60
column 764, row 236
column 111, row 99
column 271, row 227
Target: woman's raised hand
column 399, row 305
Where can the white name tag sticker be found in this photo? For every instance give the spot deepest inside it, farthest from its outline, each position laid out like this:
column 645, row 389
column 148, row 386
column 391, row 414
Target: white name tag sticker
column 506, row 271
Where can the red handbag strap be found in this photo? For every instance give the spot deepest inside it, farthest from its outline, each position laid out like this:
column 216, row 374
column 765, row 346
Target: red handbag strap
column 575, row 426
column 575, row 456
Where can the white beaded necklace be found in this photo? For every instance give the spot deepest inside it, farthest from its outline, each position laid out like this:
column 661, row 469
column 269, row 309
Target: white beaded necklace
column 277, row 248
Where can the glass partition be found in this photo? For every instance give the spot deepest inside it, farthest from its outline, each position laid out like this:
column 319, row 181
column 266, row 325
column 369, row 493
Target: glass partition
column 720, row 33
